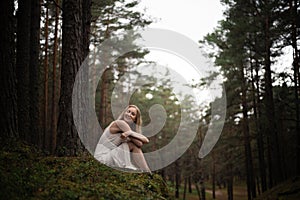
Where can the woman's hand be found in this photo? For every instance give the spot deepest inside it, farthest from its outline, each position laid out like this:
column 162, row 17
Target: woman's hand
column 125, row 134
column 121, row 126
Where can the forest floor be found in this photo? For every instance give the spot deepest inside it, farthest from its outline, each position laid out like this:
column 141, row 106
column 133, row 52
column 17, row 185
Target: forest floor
column 239, row 193
column 26, row 173
column 288, row 190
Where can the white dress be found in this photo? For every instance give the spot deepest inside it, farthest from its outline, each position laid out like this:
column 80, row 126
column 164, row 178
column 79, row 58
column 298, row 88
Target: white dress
column 113, row 151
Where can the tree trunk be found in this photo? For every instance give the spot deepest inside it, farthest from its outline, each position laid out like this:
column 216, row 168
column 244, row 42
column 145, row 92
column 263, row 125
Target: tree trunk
column 46, row 142
column 104, row 84
column 8, row 98
column 213, row 177
column 54, row 89
column 230, row 188
column 190, row 185
column 203, row 196
column 251, row 188
column 257, row 109
column 293, row 10
column 177, row 179
column 198, row 189
column 35, row 135
column 22, row 66
column 184, row 189
column 68, row 143
column 86, row 26
column 270, row 108
column 258, row 186
column 257, row 115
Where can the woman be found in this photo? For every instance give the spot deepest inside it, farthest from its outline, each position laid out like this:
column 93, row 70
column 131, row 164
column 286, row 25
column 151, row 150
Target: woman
column 120, row 138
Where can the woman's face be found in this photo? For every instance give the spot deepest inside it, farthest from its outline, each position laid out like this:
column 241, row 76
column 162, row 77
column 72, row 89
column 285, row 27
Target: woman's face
column 130, row 115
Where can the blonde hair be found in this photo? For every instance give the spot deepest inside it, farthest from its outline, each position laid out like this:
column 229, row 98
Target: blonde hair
column 137, row 125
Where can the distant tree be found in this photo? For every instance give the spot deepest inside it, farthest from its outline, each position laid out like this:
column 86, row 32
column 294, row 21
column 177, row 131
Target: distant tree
column 55, row 82
column 114, row 19
column 46, row 140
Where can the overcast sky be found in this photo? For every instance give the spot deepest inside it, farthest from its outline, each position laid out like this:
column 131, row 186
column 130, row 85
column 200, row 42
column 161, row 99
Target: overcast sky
column 192, row 18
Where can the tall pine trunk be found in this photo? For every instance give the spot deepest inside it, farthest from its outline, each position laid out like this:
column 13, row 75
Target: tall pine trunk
column 184, row 188
column 54, row 85
column 256, row 94
column 86, row 26
column 22, row 66
column 213, row 176
column 229, row 182
column 247, row 143
column 46, row 77
column 275, row 158
column 177, row 179
column 8, row 97
column 293, row 10
column 257, row 115
column 68, row 142
column 36, row 137
column 104, row 85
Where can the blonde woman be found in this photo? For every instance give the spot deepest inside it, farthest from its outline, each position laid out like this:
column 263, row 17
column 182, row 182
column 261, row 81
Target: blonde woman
column 120, row 138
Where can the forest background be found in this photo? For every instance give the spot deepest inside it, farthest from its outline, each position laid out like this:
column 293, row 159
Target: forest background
column 43, row 44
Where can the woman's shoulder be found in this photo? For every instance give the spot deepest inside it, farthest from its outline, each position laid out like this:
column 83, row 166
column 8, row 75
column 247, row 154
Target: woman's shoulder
column 118, row 126
column 117, row 122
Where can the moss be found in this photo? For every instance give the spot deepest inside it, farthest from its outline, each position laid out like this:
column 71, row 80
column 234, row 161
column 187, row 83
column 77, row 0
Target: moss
column 27, row 173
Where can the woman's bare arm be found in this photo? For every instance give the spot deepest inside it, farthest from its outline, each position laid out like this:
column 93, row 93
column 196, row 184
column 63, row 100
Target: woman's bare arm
column 120, row 126
column 137, row 142
column 136, row 135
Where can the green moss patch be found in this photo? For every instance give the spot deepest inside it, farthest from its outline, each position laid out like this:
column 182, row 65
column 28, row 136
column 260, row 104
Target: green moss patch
column 28, row 174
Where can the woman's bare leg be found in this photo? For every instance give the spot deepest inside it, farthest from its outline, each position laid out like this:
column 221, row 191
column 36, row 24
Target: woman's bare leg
column 138, row 157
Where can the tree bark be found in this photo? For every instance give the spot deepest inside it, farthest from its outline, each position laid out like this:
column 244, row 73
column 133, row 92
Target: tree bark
column 68, row 142
column 248, row 152
column 86, row 26
column 54, row 89
column 230, row 188
column 203, row 196
column 255, row 67
column 22, row 66
column 190, row 184
column 177, row 179
column 198, row 189
column 184, row 189
column 35, row 135
column 213, row 176
column 46, row 141
column 260, row 137
column 293, row 11
column 8, row 97
column 270, row 108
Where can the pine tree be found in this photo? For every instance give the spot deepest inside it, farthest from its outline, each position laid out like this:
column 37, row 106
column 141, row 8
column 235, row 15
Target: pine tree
column 8, row 99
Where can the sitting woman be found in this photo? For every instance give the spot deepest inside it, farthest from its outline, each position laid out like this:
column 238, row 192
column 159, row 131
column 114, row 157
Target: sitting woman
column 121, row 142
